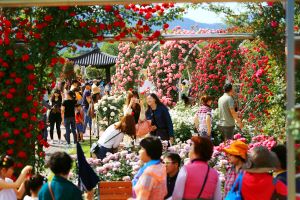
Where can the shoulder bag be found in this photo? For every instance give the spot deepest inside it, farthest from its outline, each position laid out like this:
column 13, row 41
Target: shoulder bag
column 51, row 191
column 235, row 192
column 204, row 183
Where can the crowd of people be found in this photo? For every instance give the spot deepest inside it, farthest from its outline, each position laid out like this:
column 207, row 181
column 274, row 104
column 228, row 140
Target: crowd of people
column 256, row 174
column 71, row 104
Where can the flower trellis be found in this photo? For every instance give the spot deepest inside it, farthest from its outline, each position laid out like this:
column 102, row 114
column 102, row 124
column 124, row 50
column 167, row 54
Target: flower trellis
column 30, row 39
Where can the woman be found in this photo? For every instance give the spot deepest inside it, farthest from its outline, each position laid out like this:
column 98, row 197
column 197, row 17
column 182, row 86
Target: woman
column 60, row 187
column 55, row 114
column 196, row 179
column 257, row 180
column 113, row 135
column 132, row 106
column 159, row 115
column 237, row 156
column 68, row 116
column 150, row 181
column 33, row 186
column 203, row 118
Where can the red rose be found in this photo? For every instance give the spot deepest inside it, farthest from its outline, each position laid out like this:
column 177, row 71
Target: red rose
column 29, row 98
column 62, row 60
column 18, row 80
column 5, row 134
column 63, row 8
column 39, row 137
column 33, row 110
column 156, row 34
column 2, row 74
column 52, row 44
column 16, row 131
column 42, row 154
column 30, row 67
column 19, row 165
column 30, row 87
column 44, row 110
column 82, row 24
column 53, row 61
column 25, row 115
column 6, row 114
column 72, row 14
column 274, row 24
column 37, row 36
column 12, row 90
column 9, row 96
column 269, row 3
column 33, row 118
column 108, row 8
column 11, row 141
column 13, row 75
column 28, row 135
column 17, row 109
column 148, row 15
column 165, row 26
column 162, row 42
column 138, row 36
column 10, row 152
column 101, row 26
column 48, row 18
column 9, row 52
column 35, row 104
column 22, row 154
column 31, row 76
column 100, row 38
column 5, row 64
column 25, row 57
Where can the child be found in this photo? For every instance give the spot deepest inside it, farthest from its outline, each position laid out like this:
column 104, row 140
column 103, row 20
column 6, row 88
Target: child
column 79, row 122
column 33, row 186
column 8, row 188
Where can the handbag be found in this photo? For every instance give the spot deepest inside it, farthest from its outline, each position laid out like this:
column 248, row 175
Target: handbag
column 235, row 192
column 143, row 128
column 94, row 148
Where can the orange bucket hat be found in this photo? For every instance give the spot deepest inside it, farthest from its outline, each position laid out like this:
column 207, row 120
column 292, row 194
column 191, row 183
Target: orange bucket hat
column 237, row 148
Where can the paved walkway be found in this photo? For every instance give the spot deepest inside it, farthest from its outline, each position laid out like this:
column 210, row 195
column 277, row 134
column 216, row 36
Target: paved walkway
column 63, row 146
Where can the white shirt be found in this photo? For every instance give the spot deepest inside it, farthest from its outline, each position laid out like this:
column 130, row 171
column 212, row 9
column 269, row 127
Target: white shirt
column 30, row 198
column 8, row 194
column 110, row 132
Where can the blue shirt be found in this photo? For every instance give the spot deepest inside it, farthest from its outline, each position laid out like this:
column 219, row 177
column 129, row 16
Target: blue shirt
column 62, row 190
column 161, row 119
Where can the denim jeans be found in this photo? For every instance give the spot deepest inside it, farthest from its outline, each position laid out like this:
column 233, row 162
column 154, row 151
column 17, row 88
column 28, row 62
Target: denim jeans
column 70, row 125
column 87, row 120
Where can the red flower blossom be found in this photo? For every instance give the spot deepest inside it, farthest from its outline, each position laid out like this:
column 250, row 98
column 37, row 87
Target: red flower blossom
column 18, row 80
column 6, row 114
column 31, row 76
column 30, row 87
column 82, row 24
column 100, row 38
column 274, row 24
column 13, row 75
column 270, row 3
column 48, row 18
column 33, row 118
column 5, row 64
column 2, row 74
column 12, row 90
column 5, row 135
column 63, row 8
column 138, row 36
column 108, row 8
column 10, row 152
column 25, row 57
column 102, row 26
column 16, row 131
column 165, row 26
column 72, row 14
column 22, row 154
column 9, row 52
column 29, row 98
column 148, row 16
column 11, row 141
column 30, row 67
column 35, row 104
column 25, row 115
column 39, row 137
column 17, row 109
column 9, row 96
column 28, row 135
column 19, row 165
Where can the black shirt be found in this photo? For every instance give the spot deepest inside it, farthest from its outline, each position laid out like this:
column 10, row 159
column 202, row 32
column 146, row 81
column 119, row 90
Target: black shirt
column 69, row 108
column 170, row 185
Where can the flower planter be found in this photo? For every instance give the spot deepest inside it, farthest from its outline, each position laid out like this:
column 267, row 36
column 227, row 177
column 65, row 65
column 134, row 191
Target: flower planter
column 115, row 190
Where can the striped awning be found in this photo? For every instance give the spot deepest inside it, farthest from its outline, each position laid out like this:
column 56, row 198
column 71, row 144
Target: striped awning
column 95, row 58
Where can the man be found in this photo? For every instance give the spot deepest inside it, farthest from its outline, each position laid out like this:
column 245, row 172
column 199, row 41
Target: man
column 228, row 115
column 172, row 162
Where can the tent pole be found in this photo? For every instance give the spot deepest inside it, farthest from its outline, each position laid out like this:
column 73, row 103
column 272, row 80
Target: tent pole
column 290, row 93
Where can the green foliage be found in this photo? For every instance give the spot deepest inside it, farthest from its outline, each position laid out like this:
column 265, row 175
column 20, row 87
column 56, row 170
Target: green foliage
column 93, row 72
column 110, row 48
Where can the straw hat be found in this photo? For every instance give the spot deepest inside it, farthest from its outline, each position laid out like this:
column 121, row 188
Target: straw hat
column 237, row 148
column 261, row 160
column 96, row 90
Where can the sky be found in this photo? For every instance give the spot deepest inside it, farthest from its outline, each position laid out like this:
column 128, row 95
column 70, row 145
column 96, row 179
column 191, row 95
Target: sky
column 204, row 16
